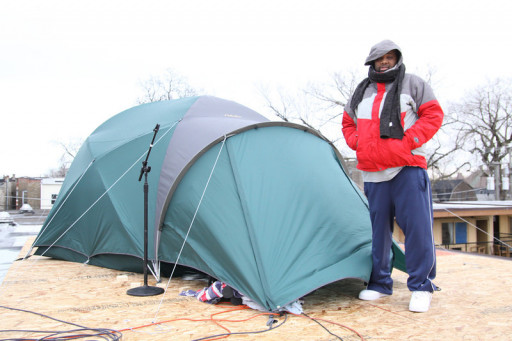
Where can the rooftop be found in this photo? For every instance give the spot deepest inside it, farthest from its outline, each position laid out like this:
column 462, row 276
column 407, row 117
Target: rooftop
column 472, row 208
column 475, row 303
column 52, row 181
column 473, row 204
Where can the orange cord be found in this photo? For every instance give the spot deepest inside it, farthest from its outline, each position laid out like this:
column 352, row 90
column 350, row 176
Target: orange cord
column 216, row 321
column 211, row 319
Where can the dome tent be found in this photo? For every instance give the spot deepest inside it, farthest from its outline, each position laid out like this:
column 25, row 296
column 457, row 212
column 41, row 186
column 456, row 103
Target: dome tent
column 265, row 207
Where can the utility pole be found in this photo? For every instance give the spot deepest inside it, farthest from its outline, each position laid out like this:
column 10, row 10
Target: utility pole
column 497, row 167
column 505, row 182
column 6, row 180
column 508, row 171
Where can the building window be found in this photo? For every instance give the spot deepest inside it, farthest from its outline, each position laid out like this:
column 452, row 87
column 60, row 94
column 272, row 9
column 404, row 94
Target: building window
column 461, row 233
column 454, row 233
column 54, row 198
column 447, row 233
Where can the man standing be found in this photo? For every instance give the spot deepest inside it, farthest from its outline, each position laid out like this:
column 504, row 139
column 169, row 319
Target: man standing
column 388, row 118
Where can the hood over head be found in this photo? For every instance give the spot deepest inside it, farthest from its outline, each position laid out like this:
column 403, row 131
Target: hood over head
column 380, row 49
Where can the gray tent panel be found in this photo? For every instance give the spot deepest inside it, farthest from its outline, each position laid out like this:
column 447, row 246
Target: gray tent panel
column 207, row 120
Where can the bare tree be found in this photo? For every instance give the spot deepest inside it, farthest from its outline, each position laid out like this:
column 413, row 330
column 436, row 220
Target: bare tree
column 444, row 150
column 317, row 105
column 321, row 106
column 168, row 86
column 59, row 172
column 332, row 97
column 70, row 149
column 446, row 156
column 484, row 118
column 445, row 159
column 337, row 92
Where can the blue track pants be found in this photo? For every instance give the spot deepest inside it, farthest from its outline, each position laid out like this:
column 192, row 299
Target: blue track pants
column 407, row 197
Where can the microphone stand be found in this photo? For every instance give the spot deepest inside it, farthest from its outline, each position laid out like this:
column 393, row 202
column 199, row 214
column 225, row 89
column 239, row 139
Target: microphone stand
column 146, row 290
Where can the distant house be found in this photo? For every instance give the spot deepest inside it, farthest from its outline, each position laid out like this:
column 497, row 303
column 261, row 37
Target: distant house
column 28, row 191
column 472, row 226
column 50, row 188
column 450, row 190
column 479, row 180
column 8, row 193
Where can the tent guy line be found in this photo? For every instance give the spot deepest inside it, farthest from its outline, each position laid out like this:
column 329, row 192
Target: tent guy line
column 56, row 212
column 97, row 200
column 478, row 228
column 278, row 217
column 189, row 228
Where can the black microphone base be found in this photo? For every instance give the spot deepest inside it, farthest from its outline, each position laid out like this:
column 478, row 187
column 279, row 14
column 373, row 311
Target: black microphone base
column 145, row 290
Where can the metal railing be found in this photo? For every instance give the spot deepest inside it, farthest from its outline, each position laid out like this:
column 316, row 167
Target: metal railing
column 501, row 247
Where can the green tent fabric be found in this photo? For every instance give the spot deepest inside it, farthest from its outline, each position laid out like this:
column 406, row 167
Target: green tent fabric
column 265, row 207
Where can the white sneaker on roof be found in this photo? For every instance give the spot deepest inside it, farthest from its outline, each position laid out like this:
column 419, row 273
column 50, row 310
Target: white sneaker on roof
column 370, row 295
column 420, row 301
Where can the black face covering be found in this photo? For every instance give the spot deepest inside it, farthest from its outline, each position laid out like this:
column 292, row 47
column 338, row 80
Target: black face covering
column 390, row 117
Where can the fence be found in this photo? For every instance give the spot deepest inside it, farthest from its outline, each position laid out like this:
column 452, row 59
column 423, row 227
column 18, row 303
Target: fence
column 15, row 202
column 502, row 246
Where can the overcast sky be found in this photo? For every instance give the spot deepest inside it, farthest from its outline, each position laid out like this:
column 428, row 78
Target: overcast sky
column 66, row 66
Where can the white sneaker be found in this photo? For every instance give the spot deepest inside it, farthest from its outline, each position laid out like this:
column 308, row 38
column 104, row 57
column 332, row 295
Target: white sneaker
column 420, row 301
column 370, row 295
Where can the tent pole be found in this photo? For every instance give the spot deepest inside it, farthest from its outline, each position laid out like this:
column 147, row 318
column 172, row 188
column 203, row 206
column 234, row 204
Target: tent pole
column 146, row 290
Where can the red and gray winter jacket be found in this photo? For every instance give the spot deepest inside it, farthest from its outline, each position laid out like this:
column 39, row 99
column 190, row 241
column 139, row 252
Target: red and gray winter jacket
column 421, row 118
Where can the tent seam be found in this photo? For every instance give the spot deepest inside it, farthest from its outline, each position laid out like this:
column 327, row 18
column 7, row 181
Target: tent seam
column 104, row 193
column 60, row 206
column 248, row 224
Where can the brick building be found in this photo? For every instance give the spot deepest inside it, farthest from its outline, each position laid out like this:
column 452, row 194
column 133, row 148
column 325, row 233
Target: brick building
column 28, row 191
column 8, row 193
